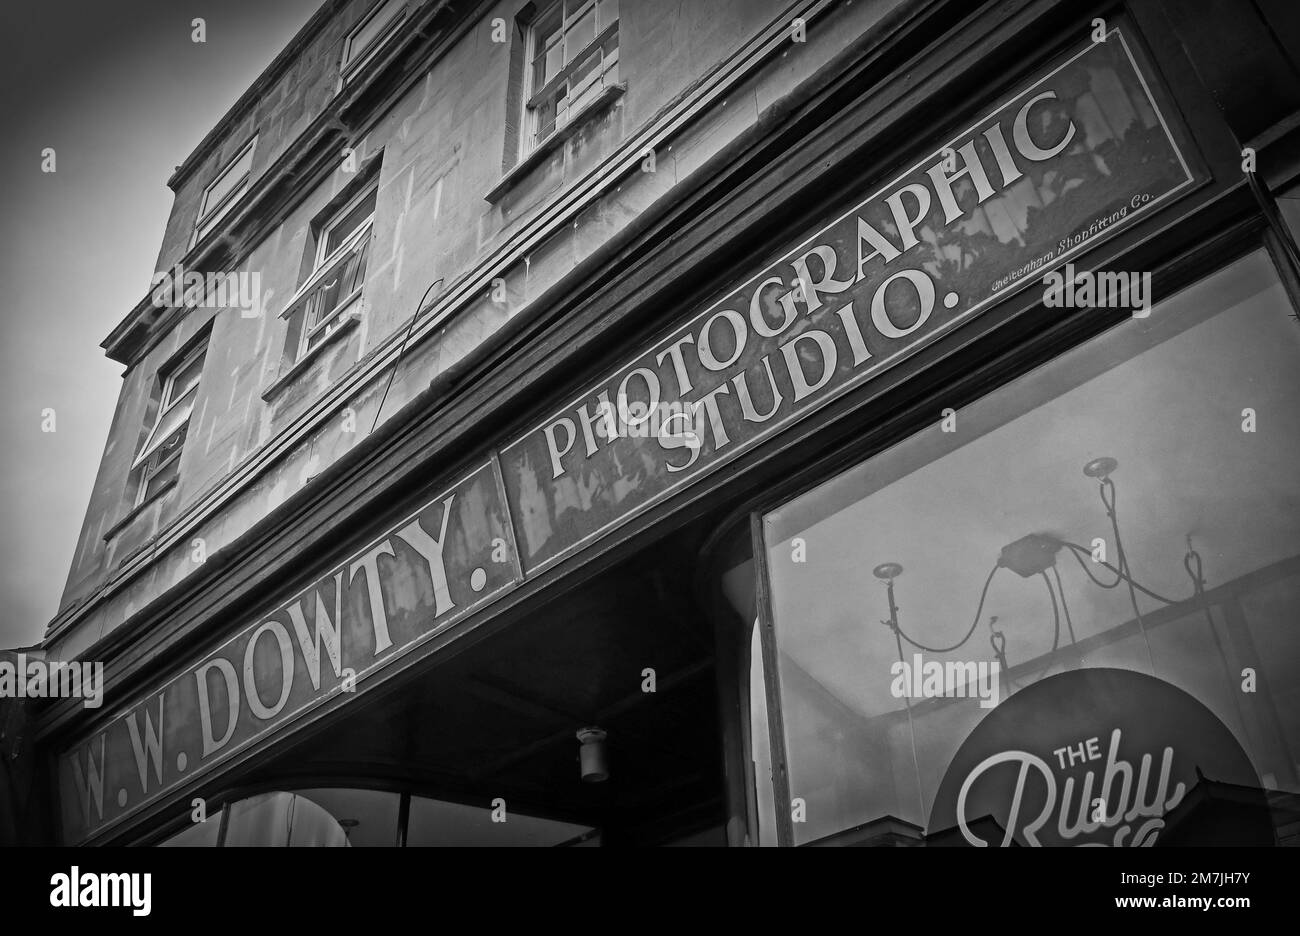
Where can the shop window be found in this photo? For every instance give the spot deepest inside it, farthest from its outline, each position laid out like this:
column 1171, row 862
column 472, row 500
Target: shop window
column 1186, row 422
column 364, row 41
column 205, row 834
column 437, row 822
column 330, row 817
column 157, row 464
column 368, row 818
column 224, row 192
column 346, row 817
column 330, row 297
column 570, row 57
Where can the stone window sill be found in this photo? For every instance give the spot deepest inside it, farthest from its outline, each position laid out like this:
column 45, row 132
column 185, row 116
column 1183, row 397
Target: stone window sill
column 548, row 146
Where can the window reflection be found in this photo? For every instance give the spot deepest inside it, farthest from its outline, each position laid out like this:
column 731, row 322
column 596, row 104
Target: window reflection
column 329, row 817
column 436, row 822
column 344, row 817
column 196, row 835
column 367, row 817
column 281, row 819
column 1165, row 397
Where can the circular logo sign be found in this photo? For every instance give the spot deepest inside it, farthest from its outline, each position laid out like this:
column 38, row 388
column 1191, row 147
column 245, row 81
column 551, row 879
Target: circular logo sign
column 1101, row 757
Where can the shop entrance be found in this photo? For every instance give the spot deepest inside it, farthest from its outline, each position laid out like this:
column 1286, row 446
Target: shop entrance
column 482, row 748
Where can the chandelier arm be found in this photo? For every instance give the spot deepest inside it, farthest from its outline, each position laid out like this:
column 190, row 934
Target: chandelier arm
column 1056, row 614
column 978, row 611
column 1060, row 587
column 1077, row 550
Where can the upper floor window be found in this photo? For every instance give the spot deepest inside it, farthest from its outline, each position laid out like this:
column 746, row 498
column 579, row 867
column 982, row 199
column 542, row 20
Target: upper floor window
column 364, row 41
column 329, row 296
column 224, row 192
column 571, row 51
column 158, row 462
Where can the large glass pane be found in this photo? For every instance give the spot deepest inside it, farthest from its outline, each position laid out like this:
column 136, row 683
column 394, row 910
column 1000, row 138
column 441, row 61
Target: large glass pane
column 367, row 817
column 212, row 219
column 548, row 46
column 263, row 820
column 580, row 34
column 185, row 379
column 196, row 835
column 606, row 13
column 436, row 822
column 231, row 178
column 584, row 68
column 315, row 818
column 349, row 223
column 374, row 28
column 1196, row 405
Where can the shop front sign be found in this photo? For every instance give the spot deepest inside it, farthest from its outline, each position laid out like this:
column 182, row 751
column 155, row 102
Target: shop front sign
column 1101, row 757
column 1074, row 157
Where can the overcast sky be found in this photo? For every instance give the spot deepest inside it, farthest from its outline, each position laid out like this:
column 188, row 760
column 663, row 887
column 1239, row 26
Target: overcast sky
column 123, row 95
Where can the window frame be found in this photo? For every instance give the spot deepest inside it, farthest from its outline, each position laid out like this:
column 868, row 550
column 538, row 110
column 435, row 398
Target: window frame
column 353, row 60
column 874, row 438
column 337, row 217
column 166, row 452
column 532, row 97
column 209, row 214
column 312, row 335
column 154, row 466
column 219, row 806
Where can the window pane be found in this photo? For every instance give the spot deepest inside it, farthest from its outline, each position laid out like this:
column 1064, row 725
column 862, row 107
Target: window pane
column 548, row 47
column 161, row 478
column 367, row 817
column 1164, row 397
column 546, row 112
column 554, row 62
column 584, row 68
column 547, row 24
column 606, row 13
column 260, row 820
column 170, row 446
column 211, row 220
column 434, row 822
column 373, row 29
column 355, row 273
column 349, row 223
column 281, row 819
column 196, row 835
column 168, row 433
column 185, row 379
column 231, row 178
column 539, row 72
column 578, row 36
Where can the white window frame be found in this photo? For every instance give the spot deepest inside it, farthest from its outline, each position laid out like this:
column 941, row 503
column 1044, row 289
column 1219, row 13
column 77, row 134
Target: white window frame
column 169, row 400
column 169, row 397
column 210, row 213
column 352, row 62
column 532, row 96
column 154, row 466
column 310, row 331
column 336, row 218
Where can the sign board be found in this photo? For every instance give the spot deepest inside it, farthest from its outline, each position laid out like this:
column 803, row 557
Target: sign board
column 1072, row 158
column 438, row 565
column 1099, row 757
